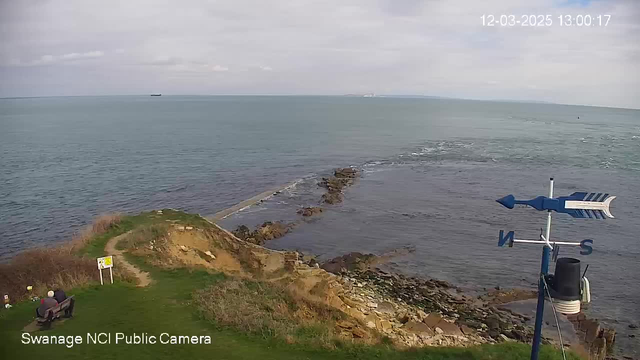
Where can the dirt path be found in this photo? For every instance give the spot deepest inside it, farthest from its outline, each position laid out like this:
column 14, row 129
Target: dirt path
column 143, row 277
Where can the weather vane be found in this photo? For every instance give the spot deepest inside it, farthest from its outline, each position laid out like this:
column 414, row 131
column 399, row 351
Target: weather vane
column 567, row 287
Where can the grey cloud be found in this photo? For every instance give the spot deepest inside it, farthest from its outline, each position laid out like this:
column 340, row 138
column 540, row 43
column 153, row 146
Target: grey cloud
column 178, row 64
column 56, row 59
column 427, row 47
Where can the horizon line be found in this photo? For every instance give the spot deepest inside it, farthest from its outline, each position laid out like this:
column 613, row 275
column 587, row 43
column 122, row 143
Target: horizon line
column 352, row 95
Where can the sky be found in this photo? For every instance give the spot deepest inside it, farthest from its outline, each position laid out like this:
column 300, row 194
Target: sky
column 325, row 47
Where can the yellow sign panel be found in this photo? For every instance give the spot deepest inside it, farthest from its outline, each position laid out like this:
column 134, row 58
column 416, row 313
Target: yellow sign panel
column 105, row 262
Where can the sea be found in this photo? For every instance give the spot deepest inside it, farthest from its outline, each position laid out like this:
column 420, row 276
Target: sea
column 431, row 172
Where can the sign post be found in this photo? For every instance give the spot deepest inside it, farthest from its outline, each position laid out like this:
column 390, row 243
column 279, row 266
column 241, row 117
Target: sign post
column 577, row 205
column 105, row 263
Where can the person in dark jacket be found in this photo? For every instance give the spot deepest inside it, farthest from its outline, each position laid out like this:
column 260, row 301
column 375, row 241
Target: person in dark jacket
column 60, row 296
column 46, row 303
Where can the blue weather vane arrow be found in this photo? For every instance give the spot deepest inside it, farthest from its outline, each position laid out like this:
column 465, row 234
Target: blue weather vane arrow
column 578, row 205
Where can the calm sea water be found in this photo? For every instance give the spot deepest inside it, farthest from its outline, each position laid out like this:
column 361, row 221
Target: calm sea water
column 431, row 172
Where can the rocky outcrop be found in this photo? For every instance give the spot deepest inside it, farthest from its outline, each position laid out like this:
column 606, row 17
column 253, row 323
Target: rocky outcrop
column 356, row 261
column 597, row 340
column 502, row 296
column 335, row 184
column 265, row 232
column 452, row 318
column 353, row 261
column 310, row 211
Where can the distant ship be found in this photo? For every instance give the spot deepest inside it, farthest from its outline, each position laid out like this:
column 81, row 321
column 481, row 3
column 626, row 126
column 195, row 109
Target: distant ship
column 156, row 94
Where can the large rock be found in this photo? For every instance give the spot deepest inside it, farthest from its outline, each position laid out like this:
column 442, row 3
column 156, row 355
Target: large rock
column 265, row 232
column 415, row 327
column 359, row 333
column 610, row 336
column 334, row 185
column 467, row 330
column 498, row 296
column 591, row 329
column 432, row 320
column 384, row 325
column 493, row 322
column 449, row 328
column 349, row 173
column 598, row 349
column 370, row 321
column 355, row 313
column 310, row 211
column 386, row 307
column 332, row 198
column 349, row 262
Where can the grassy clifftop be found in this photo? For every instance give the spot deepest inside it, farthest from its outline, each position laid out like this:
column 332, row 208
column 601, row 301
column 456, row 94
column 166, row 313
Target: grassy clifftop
column 237, row 301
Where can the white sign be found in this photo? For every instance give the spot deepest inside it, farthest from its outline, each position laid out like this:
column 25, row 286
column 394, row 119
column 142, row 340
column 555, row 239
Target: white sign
column 105, row 262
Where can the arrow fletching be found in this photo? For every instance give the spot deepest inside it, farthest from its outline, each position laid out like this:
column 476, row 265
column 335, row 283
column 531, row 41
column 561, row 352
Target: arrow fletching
column 591, row 205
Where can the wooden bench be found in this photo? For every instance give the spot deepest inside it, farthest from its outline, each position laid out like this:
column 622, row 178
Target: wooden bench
column 54, row 313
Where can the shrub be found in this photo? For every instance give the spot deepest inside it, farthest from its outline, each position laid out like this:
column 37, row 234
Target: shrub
column 44, row 269
column 267, row 309
column 57, row 267
column 101, row 224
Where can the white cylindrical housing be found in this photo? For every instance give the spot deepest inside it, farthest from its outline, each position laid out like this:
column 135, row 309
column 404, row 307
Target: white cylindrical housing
column 567, row 307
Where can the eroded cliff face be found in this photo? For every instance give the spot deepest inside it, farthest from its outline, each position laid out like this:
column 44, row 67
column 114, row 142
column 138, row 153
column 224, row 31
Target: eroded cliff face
column 410, row 311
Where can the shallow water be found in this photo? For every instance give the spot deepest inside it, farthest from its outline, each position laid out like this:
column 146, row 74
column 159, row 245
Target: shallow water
column 431, row 172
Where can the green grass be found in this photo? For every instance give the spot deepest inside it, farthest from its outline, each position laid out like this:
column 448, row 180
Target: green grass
column 166, row 306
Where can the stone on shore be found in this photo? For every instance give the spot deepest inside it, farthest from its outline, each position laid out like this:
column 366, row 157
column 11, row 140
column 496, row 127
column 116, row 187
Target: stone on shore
column 335, row 184
column 265, row 232
column 350, row 262
column 415, row 327
column 310, row 211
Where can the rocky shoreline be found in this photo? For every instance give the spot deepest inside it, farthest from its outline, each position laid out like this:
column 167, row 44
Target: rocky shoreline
column 341, row 179
column 420, row 312
column 423, row 312
column 427, row 312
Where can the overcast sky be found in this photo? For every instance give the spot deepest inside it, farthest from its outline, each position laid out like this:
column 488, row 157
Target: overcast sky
column 424, row 47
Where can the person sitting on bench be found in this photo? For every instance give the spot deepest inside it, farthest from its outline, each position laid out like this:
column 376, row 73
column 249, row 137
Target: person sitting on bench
column 60, row 296
column 46, row 303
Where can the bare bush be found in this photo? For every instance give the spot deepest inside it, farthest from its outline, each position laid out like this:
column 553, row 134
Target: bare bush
column 268, row 310
column 101, row 224
column 105, row 222
column 45, row 268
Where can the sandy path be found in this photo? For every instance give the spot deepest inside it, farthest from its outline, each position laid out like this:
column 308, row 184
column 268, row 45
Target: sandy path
column 143, row 277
